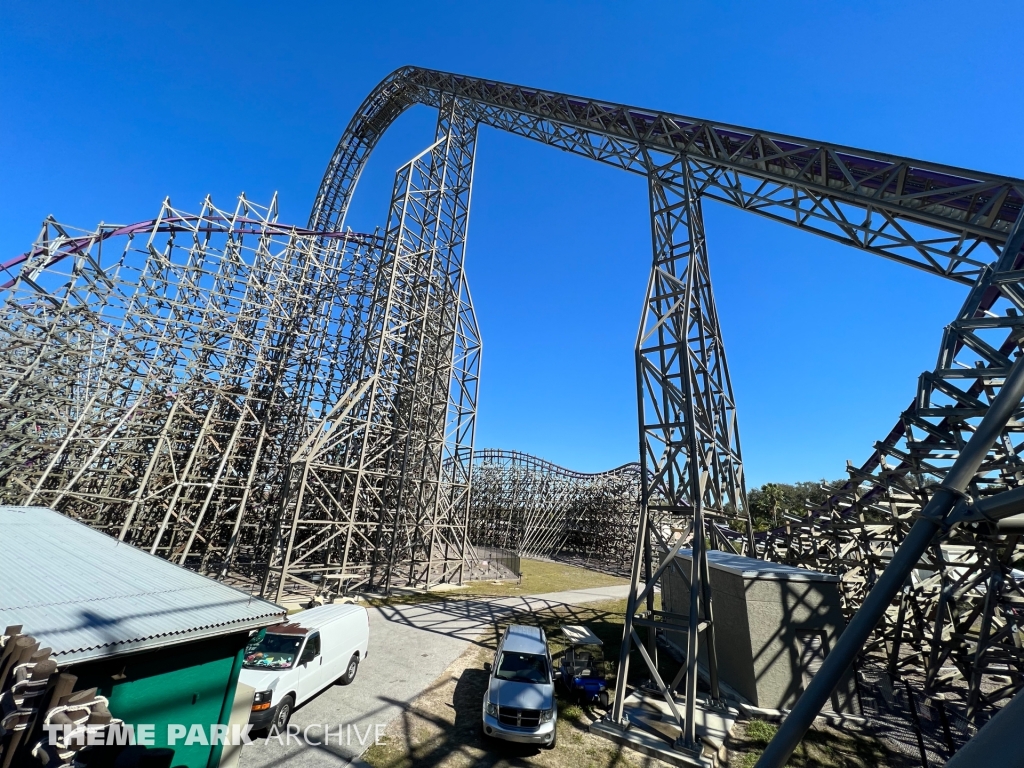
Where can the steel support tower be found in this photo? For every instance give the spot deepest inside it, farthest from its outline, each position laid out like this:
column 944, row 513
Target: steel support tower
column 394, row 483
column 953, row 223
column 193, row 395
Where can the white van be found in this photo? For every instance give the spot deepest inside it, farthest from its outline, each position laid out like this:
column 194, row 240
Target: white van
column 290, row 663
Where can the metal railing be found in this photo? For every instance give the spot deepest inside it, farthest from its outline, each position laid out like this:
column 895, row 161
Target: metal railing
column 504, row 559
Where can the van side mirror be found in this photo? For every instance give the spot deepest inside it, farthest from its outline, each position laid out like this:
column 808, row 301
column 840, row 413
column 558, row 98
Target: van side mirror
column 487, row 667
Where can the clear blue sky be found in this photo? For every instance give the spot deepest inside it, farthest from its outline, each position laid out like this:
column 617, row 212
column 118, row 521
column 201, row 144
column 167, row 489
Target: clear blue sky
column 106, row 108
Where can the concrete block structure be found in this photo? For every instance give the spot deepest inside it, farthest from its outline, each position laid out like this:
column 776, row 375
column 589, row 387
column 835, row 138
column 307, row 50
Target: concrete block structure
column 774, row 625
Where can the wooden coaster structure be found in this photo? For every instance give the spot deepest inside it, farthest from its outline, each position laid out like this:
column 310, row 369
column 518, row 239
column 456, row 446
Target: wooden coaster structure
column 365, row 497
column 249, row 399
column 34, row 694
column 538, row 509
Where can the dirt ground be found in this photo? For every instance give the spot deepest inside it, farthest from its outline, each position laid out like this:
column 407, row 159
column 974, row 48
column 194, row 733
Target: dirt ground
column 442, row 728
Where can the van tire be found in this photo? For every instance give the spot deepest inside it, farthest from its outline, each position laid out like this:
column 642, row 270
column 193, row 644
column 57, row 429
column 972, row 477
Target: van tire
column 350, row 671
column 283, row 714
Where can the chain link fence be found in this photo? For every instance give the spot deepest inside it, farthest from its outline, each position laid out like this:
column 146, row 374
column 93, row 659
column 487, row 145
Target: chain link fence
column 926, row 731
column 494, row 563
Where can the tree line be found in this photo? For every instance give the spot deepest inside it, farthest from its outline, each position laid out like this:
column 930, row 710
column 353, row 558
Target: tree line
column 772, row 501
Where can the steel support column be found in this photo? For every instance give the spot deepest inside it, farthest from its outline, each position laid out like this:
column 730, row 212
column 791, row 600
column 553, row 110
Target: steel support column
column 692, row 470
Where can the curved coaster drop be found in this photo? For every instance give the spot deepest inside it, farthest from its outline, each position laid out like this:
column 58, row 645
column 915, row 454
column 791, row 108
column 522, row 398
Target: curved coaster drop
column 298, row 405
column 955, row 631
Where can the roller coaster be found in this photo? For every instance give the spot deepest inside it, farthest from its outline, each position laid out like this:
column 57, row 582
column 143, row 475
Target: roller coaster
column 538, row 509
column 297, row 405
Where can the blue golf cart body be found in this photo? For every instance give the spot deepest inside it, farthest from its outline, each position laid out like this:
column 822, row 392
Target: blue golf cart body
column 581, row 672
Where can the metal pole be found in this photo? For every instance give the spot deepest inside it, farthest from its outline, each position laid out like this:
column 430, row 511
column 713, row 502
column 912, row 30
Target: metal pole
column 689, row 735
column 896, row 573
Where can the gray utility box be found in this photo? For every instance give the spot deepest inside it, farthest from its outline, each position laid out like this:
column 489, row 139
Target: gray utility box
column 774, row 625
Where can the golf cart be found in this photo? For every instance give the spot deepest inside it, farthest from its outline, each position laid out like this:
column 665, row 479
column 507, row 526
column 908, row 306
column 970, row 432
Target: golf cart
column 582, row 669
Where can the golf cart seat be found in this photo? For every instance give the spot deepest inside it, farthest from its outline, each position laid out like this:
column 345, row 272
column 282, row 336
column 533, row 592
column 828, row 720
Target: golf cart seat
column 580, row 662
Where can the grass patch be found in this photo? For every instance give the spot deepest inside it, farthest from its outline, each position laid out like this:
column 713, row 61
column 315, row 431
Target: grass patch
column 570, row 712
column 539, row 576
column 822, row 747
column 759, row 731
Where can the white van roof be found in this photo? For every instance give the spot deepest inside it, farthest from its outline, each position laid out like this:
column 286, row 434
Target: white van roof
column 314, row 618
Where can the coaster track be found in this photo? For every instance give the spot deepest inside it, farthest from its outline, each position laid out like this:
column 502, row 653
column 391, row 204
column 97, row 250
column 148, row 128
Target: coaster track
column 538, row 509
column 303, row 408
column 957, row 626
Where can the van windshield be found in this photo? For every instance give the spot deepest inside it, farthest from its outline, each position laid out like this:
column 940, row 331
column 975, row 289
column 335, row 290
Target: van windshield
column 522, row 667
column 273, row 651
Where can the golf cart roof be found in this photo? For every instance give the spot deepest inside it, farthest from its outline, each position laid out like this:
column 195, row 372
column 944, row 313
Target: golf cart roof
column 577, row 634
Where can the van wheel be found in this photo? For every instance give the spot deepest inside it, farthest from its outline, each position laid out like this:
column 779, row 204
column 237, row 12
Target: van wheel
column 283, row 714
column 350, row 671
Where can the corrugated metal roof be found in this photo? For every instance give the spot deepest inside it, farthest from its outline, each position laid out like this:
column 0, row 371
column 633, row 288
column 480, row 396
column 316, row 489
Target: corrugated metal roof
column 86, row 595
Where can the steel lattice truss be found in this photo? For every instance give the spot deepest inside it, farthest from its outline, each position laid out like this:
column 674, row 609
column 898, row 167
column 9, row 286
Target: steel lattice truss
column 957, row 224
column 539, row 509
column 391, row 469
column 948, row 221
column 355, row 453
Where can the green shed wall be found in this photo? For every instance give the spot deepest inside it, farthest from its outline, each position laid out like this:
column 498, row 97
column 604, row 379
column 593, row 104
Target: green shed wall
column 185, row 684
